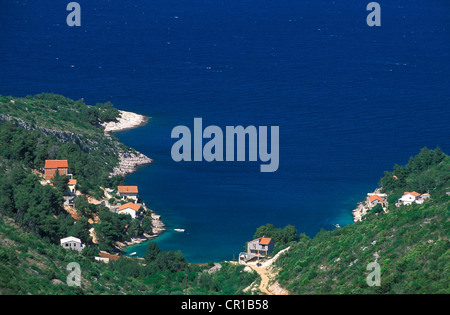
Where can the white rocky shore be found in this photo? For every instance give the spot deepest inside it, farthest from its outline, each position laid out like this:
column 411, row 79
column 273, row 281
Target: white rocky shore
column 127, row 120
column 364, row 206
column 128, row 161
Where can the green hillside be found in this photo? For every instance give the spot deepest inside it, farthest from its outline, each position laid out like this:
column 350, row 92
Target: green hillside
column 31, row 265
column 54, row 111
column 410, row 243
column 50, row 126
column 33, row 220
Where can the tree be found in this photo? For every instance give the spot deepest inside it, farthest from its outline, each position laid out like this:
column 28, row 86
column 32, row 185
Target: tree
column 135, row 228
column 81, row 230
column 107, row 112
column 60, row 182
column 280, row 236
column 147, row 224
column 290, row 234
column 377, row 209
column 152, row 252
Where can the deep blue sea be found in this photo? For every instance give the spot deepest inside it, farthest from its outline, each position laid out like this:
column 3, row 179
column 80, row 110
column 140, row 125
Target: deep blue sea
column 350, row 100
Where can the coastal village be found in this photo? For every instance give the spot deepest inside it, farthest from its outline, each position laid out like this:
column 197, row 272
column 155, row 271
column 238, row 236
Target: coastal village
column 121, row 199
column 125, row 200
column 377, row 198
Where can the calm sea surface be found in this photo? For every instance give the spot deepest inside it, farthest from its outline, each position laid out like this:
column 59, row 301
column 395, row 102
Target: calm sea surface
column 350, row 100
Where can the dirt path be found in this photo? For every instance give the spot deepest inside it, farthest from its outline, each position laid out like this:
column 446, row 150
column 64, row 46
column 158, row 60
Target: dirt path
column 264, row 278
column 267, row 273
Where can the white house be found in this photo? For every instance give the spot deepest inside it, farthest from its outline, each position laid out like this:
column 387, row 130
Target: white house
column 106, row 257
column 72, row 243
column 410, row 197
column 72, row 184
column 129, row 208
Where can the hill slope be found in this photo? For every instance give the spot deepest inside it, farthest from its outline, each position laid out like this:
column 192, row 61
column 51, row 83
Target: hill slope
column 410, row 243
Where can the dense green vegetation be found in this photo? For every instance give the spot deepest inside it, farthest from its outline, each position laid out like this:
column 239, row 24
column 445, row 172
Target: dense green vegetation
column 281, row 237
column 429, row 171
column 30, row 265
column 33, row 220
column 91, row 158
column 50, row 127
column 39, row 128
column 34, row 207
column 410, row 243
column 58, row 112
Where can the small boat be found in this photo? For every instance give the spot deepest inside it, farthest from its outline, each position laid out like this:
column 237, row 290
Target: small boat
column 178, row 230
column 133, row 253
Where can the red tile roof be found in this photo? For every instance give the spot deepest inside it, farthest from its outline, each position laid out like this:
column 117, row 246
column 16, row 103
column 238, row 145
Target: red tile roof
column 130, row 205
column 265, row 241
column 374, row 197
column 56, row 164
column 127, row 189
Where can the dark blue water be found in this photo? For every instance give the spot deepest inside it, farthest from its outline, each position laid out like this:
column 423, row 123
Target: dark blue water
column 350, row 100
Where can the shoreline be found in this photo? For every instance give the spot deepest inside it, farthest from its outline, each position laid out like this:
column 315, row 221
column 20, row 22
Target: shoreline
column 127, row 120
column 128, row 163
column 363, row 207
column 158, row 227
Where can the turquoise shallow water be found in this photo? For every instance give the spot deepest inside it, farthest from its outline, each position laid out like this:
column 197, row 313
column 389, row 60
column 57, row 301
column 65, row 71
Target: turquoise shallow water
column 350, row 100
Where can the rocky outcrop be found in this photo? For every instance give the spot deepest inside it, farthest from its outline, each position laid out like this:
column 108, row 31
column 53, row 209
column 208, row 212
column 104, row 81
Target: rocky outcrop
column 127, row 120
column 157, row 225
column 128, row 162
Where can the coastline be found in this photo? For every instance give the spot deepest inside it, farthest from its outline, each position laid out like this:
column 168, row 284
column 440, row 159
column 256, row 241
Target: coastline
column 363, row 207
column 128, row 163
column 130, row 160
column 127, row 120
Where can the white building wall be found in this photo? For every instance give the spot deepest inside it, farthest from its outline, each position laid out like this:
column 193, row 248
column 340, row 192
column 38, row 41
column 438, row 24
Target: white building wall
column 128, row 211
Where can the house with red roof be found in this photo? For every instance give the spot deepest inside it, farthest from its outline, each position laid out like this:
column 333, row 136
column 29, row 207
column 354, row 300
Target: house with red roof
column 53, row 166
column 410, row 197
column 129, row 208
column 260, row 247
column 72, row 184
column 128, row 192
column 375, row 200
